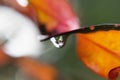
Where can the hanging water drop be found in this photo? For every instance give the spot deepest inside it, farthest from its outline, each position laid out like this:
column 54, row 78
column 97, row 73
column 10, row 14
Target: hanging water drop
column 58, row 41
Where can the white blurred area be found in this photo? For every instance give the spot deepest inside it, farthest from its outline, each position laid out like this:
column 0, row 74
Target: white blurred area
column 20, row 34
column 23, row 3
column 21, row 37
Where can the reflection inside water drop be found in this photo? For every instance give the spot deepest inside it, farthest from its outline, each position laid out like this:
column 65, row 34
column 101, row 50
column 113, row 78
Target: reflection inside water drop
column 58, row 41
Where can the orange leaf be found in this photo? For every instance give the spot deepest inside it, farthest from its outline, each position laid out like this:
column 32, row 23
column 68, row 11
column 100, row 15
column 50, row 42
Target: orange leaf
column 54, row 8
column 100, row 51
column 57, row 15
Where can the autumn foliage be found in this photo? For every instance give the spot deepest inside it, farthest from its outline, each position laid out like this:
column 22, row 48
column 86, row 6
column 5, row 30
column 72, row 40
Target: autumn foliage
column 100, row 51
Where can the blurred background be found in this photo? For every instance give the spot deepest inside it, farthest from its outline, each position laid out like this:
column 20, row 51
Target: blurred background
column 90, row 12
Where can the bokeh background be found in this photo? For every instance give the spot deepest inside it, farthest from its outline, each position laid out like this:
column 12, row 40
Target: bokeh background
column 90, row 12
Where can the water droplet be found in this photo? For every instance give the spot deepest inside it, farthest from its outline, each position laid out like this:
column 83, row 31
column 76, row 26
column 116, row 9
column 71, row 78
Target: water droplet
column 59, row 41
column 23, row 3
